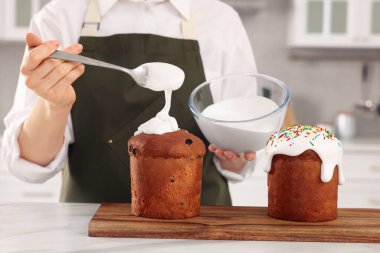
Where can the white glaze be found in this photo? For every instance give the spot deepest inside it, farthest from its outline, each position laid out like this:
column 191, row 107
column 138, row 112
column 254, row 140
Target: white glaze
column 162, row 123
column 240, row 108
column 232, row 133
column 162, row 77
column 329, row 148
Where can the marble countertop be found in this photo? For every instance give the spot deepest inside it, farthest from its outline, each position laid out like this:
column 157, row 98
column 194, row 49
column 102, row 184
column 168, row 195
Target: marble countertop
column 33, row 227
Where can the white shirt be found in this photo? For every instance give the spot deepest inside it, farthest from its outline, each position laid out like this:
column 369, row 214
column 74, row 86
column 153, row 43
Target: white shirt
column 224, row 45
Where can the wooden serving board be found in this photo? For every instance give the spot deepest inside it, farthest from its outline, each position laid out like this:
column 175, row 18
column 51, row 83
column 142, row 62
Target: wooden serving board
column 237, row 223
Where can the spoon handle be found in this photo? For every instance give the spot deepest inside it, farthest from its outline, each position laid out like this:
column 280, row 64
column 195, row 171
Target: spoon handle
column 86, row 60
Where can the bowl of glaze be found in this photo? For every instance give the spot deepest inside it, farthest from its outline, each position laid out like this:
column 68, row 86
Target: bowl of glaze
column 239, row 112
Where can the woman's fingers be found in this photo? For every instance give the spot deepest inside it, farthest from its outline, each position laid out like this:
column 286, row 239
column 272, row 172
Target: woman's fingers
column 212, row 148
column 49, row 64
column 50, row 78
column 230, row 155
column 74, row 49
column 45, row 68
column 220, row 153
column 37, row 55
column 32, row 40
column 56, row 75
column 46, row 65
column 217, row 151
column 59, row 69
column 230, row 160
column 249, row 156
column 59, row 90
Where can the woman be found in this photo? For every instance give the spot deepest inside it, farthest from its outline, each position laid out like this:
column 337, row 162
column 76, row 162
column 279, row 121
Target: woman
column 63, row 112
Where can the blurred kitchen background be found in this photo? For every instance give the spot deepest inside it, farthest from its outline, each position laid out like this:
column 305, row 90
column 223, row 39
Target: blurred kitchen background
column 326, row 51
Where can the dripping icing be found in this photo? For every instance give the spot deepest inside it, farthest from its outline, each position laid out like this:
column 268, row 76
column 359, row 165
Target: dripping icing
column 295, row 140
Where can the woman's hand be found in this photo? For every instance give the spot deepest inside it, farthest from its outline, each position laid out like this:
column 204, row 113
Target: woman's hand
column 230, row 160
column 42, row 134
column 51, row 79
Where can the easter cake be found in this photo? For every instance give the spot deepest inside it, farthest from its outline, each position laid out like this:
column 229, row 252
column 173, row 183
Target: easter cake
column 304, row 166
column 166, row 174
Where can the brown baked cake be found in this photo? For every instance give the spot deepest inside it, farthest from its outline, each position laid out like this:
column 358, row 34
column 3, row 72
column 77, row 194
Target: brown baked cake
column 304, row 165
column 166, row 175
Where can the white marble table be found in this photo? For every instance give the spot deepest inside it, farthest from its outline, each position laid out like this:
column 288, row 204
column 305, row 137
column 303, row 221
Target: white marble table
column 63, row 228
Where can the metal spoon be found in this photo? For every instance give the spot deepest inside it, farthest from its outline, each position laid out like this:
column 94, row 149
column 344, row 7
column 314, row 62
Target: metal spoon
column 139, row 74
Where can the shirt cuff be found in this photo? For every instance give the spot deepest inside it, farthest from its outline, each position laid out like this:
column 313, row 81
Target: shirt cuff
column 233, row 177
column 24, row 169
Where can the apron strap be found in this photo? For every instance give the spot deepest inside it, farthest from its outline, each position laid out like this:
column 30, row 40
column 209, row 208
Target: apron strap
column 188, row 27
column 93, row 17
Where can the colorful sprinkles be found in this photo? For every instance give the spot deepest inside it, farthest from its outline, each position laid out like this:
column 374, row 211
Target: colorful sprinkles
column 296, row 131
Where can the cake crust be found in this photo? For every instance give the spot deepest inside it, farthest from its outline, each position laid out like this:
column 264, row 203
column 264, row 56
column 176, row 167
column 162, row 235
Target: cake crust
column 296, row 192
column 166, row 188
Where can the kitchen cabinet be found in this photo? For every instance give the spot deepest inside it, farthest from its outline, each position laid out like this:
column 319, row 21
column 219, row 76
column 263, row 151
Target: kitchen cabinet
column 334, row 24
column 361, row 167
column 15, row 17
column 362, row 172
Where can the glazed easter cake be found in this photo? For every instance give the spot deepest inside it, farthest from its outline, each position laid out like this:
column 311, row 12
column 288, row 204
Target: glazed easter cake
column 304, row 166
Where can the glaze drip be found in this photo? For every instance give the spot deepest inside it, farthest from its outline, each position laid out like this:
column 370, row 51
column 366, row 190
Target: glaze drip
column 295, row 140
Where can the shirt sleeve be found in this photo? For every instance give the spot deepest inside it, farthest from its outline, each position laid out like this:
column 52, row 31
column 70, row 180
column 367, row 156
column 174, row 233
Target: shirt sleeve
column 238, row 59
column 22, row 107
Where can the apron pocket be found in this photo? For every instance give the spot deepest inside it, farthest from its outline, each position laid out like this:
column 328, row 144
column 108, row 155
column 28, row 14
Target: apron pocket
column 118, row 142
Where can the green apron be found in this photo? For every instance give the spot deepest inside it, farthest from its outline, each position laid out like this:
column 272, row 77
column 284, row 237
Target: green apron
column 109, row 108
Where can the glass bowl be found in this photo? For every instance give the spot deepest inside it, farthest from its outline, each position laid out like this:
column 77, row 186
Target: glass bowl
column 237, row 134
